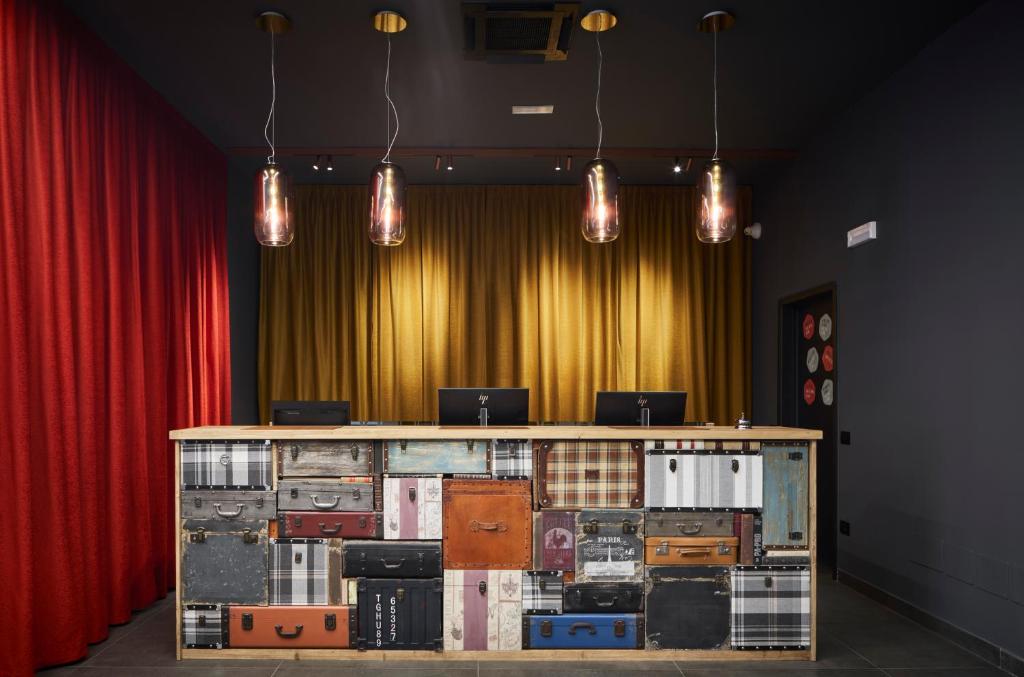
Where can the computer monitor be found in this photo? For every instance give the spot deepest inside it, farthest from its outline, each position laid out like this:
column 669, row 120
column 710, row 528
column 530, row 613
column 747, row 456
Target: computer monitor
column 628, row 408
column 483, row 406
column 310, row 412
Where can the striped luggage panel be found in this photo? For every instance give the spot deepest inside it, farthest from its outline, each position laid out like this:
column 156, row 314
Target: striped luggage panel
column 542, row 592
column 512, row 459
column 298, row 572
column 412, row 508
column 703, row 480
column 204, row 626
column 483, row 610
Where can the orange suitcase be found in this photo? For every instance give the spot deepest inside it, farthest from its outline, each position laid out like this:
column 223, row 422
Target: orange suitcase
column 298, row 627
column 691, row 550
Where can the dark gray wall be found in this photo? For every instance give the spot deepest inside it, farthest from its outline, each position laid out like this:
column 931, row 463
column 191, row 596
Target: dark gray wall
column 930, row 320
column 243, row 290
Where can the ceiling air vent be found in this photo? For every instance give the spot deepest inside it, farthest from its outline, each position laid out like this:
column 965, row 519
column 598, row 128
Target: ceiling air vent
column 520, row 33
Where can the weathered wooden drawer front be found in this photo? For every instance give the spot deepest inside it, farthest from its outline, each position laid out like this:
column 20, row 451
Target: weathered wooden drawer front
column 703, row 479
column 299, row 571
column 487, row 524
column 236, row 505
column 691, row 550
column 224, row 567
column 584, row 631
column 785, row 495
column 771, row 607
column 387, row 559
column 204, row 626
column 689, row 524
column 325, row 458
column 604, row 598
column 293, row 627
column 687, row 607
column 225, row 464
column 483, row 610
column 339, row 495
column 542, row 592
column 609, row 546
column 400, row 613
column 412, row 508
column 575, row 474
column 330, row 525
column 436, row 457
column 512, row 459
column 554, row 540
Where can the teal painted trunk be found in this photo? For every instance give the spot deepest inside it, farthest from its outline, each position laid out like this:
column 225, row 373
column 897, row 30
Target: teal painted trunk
column 785, row 494
column 430, row 457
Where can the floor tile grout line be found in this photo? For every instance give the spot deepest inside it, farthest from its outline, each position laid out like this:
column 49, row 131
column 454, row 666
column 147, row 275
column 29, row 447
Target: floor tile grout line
column 861, row 656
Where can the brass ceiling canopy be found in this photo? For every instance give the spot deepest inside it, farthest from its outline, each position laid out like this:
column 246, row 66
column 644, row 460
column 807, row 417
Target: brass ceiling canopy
column 716, row 22
column 598, row 21
column 389, row 22
column 273, row 22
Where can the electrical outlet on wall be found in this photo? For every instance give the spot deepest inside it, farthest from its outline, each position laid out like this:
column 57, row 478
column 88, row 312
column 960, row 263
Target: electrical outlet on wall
column 844, row 437
column 844, row 527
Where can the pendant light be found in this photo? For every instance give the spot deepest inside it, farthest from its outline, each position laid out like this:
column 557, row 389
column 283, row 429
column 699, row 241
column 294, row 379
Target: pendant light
column 717, row 181
column 387, row 180
column 600, row 218
column 272, row 213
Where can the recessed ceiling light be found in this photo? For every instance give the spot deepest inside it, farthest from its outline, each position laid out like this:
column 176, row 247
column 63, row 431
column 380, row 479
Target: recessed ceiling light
column 533, row 110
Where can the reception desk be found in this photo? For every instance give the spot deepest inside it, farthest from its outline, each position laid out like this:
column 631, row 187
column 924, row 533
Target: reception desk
column 549, row 542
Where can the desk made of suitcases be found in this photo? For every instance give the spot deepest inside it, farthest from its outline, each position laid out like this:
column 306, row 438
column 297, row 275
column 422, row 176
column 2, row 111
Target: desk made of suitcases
column 373, row 542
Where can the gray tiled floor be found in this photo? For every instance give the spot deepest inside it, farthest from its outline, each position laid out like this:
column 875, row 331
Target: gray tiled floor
column 858, row 638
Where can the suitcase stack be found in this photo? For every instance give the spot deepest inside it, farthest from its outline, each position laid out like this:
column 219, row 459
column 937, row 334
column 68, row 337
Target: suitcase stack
column 495, row 545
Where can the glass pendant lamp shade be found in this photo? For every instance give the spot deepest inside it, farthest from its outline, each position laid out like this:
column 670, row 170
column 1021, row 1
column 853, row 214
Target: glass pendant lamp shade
column 717, row 203
column 387, row 205
column 272, row 223
column 600, row 221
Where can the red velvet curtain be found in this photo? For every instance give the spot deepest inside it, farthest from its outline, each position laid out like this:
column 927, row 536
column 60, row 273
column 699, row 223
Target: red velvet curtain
column 113, row 330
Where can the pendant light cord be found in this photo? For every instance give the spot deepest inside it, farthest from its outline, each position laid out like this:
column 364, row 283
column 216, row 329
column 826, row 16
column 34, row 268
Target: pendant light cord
column 715, row 85
column 391, row 106
column 597, row 99
column 270, row 133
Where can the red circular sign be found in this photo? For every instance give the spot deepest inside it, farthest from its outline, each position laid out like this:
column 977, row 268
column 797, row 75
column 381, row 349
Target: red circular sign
column 809, row 391
column 827, row 358
column 808, row 326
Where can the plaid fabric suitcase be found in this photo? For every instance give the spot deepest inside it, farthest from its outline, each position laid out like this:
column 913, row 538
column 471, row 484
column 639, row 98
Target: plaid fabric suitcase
column 204, row 626
column 512, row 459
column 483, row 610
column 298, row 572
column 677, row 477
column 542, row 592
column 574, row 474
column 412, row 508
column 771, row 607
column 225, row 464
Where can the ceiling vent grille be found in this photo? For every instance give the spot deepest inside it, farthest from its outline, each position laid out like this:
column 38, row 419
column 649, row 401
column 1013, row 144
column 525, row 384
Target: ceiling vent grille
column 530, row 33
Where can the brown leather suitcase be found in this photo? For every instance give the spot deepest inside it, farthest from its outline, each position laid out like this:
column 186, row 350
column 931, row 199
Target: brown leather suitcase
column 292, row 627
column 487, row 524
column 691, row 550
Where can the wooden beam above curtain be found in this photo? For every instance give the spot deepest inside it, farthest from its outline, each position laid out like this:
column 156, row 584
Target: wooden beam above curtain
column 495, row 286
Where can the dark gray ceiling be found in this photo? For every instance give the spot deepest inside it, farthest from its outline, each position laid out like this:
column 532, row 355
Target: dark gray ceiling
column 785, row 69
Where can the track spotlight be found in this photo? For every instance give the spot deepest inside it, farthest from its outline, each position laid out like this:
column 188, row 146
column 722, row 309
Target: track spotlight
column 316, row 164
column 451, row 164
column 677, row 168
column 330, row 164
column 558, row 164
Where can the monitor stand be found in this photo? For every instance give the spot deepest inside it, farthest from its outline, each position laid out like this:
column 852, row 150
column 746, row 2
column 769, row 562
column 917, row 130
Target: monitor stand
column 483, row 416
column 645, row 417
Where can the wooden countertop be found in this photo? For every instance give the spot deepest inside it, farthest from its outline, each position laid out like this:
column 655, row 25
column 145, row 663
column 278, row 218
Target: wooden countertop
column 542, row 432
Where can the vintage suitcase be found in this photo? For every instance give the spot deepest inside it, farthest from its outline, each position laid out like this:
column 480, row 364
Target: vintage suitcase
column 574, row 474
column 204, row 626
column 785, row 495
column 705, row 479
column 603, row 598
column 226, row 464
column 687, row 607
column 487, row 524
column 391, row 559
column 436, row 457
column 609, row 546
column 542, row 592
column 483, row 610
column 512, row 459
column 689, row 524
column 224, row 562
column 412, row 508
column 349, row 494
column 554, row 540
column 227, row 504
column 298, row 571
column 330, row 525
column 292, row 627
column 325, row 458
column 661, row 550
column 400, row 613
column 584, row 631
column 771, row 607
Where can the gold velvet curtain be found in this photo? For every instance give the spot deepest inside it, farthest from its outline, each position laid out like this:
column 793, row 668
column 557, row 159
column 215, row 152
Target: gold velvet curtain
column 495, row 286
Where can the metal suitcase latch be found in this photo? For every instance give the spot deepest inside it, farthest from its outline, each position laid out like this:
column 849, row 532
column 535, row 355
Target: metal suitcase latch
column 247, row 621
column 355, row 452
column 591, row 527
column 412, row 494
column 620, row 628
column 198, row 502
column 672, row 465
column 259, row 502
column 796, row 535
column 735, row 465
column 225, row 460
column 198, row 537
column 201, row 620
column 796, row 455
column 298, row 558
column 659, row 444
column 402, row 444
column 470, row 444
column 355, row 494
column 330, row 622
column 295, row 451
column 628, row 527
column 294, row 493
column 362, row 522
column 662, row 548
column 249, row 538
column 724, row 549
column 513, row 449
column 298, row 520
column 545, row 628
column 400, row 594
column 767, row 581
column 542, row 584
column 482, row 587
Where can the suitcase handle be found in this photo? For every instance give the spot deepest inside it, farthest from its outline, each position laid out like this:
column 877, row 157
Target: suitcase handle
column 319, row 504
column 487, row 526
column 694, row 552
column 389, row 565
column 610, row 602
column 240, row 507
column 691, row 528
column 582, row 625
column 325, row 530
column 288, row 635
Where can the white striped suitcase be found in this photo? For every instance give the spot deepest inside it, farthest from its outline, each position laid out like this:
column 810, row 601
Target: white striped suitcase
column 703, row 474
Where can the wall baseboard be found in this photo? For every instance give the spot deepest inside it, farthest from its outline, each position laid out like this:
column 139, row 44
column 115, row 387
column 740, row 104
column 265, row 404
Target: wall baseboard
column 976, row 645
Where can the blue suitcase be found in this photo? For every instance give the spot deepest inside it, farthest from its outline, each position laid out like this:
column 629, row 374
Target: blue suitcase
column 584, row 631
